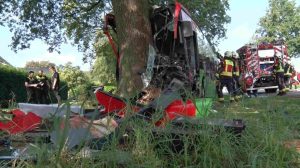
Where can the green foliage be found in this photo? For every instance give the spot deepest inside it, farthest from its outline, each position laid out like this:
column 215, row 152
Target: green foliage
column 33, row 19
column 12, row 84
column 52, row 21
column 260, row 145
column 78, row 82
column 104, row 68
column 282, row 21
column 79, row 20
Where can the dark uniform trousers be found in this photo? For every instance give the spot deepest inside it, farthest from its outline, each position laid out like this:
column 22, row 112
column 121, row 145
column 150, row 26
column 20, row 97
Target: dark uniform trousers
column 31, row 95
column 42, row 95
column 236, row 85
column 280, row 80
column 225, row 81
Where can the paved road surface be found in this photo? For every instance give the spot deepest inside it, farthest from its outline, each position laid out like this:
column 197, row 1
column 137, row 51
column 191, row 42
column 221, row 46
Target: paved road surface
column 292, row 93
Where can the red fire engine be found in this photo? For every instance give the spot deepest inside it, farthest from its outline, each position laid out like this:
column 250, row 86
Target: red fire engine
column 257, row 65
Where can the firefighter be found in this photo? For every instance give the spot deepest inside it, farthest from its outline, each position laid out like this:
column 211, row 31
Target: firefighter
column 31, row 84
column 236, row 76
column 288, row 72
column 279, row 73
column 225, row 73
column 43, row 87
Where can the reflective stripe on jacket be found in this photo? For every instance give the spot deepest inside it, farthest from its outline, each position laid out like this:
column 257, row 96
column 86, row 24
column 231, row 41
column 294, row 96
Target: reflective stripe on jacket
column 227, row 68
column 236, row 71
column 278, row 67
column 288, row 70
column 40, row 78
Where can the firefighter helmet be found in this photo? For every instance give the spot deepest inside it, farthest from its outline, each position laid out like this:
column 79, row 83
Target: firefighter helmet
column 227, row 54
column 234, row 55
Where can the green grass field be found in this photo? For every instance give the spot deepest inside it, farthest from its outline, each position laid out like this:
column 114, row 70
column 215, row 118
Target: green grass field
column 270, row 121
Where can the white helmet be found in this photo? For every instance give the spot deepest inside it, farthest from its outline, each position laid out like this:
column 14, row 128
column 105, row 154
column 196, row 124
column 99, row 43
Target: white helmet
column 227, row 54
column 234, row 55
column 277, row 54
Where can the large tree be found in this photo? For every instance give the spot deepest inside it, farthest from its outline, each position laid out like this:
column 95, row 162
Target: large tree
column 80, row 20
column 282, row 22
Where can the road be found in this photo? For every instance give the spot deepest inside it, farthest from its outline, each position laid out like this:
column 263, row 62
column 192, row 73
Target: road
column 295, row 93
column 292, row 93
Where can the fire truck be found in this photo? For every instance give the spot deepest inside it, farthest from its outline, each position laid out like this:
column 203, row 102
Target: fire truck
column 257, row 65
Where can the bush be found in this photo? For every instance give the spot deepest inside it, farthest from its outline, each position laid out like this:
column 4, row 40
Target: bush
column 12, row 86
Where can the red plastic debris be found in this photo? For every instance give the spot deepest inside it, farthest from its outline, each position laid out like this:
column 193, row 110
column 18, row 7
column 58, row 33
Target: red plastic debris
column 21, row 122
column 178, row 109
column 176, row 18
column 111, row 103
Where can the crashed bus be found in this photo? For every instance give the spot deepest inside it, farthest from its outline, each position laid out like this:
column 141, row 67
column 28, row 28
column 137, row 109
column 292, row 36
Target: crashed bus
column 180, row 62
column 179, row 51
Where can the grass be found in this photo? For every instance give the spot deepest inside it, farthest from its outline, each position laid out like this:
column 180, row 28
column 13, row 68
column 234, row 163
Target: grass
column 271, row 121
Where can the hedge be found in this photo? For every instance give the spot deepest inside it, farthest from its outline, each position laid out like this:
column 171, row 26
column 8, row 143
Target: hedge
column 12, row 82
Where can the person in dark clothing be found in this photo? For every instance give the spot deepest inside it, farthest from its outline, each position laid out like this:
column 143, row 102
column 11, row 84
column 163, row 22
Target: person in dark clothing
column 225, row 73
column 236, row 76
column 279, row 72
column 42, row 89
column 55, row 83
column 31, row 84
column 288, row 73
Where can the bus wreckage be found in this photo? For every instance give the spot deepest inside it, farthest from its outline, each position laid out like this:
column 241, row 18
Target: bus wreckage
column 180, row 62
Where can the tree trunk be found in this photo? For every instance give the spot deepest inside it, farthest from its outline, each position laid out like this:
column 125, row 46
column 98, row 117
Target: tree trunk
column 133, row 32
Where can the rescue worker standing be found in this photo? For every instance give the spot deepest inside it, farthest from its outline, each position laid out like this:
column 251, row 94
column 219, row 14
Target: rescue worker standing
column 279, row 72
column 236, row 76
column 55, row 83
column 42, row 89
column 226, row 73
column 288, row 72
column 31, row 84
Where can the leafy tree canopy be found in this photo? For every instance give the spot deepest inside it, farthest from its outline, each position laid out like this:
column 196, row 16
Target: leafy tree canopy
column 78, row 82
column 282, row 22
column 53, row 21
column 72, row 75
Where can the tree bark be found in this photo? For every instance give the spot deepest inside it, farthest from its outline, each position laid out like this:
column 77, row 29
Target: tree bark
column 133, row 33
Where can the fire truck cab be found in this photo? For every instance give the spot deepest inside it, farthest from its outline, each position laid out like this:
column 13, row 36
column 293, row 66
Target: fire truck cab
column 257, row 65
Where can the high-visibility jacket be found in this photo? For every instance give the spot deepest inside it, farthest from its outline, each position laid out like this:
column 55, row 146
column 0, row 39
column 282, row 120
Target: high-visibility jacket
column 227, row 68
column 288, row 70
column 236, row 71
column 41, row 78
column 278, row 66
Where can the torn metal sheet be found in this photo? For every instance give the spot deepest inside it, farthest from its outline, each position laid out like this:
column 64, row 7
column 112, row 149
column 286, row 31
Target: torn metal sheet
column 48, row 110
column 81, row 130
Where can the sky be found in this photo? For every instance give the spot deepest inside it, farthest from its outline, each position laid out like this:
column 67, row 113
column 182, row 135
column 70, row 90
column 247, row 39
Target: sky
column 245, row 15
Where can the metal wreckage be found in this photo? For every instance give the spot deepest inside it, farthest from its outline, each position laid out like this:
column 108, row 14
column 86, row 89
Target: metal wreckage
column 180, row 62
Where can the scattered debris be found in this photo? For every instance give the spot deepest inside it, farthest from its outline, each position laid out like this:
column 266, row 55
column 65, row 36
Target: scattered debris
column 293, row 144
